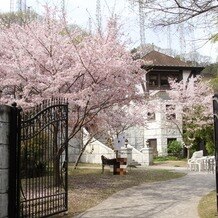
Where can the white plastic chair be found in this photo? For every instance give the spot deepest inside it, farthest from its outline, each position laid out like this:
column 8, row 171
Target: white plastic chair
column 195, row 162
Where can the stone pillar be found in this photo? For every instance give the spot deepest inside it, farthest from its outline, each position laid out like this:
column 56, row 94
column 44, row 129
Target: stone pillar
column 148, row 156
column 129, row 155
column 126, row 153
column 4, row 159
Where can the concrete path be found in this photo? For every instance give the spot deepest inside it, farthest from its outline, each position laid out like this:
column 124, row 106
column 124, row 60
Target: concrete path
column 177, row 198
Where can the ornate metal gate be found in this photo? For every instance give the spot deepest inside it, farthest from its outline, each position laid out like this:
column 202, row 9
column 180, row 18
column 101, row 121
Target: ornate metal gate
column 43, row 160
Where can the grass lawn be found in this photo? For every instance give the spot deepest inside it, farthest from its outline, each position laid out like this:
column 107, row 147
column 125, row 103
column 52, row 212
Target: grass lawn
column 169, row 161
column 88, row 187
column 207, row 206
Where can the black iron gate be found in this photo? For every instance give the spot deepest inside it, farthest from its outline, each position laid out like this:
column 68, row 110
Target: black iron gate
column 43, row 160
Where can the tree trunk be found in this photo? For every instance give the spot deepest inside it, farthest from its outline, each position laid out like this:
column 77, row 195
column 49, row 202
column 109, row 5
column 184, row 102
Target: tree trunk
column 56, row 160
column 79, row 157
column 188, row 153
column 82, row 150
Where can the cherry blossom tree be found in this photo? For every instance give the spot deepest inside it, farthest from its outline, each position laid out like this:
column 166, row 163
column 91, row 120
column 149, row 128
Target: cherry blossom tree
column 46, row 58
column 193, row 99
column 109, row 123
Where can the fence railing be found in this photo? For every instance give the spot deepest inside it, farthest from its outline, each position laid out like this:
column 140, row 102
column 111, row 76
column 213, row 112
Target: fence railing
column 202, row 164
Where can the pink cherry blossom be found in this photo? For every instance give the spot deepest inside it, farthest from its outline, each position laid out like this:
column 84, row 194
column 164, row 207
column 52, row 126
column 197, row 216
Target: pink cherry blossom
column 45, row 58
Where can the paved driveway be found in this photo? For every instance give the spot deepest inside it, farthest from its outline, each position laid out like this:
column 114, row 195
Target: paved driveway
column 177, row 198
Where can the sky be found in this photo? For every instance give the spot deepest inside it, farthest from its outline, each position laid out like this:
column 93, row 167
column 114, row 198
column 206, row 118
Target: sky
column 83, row 13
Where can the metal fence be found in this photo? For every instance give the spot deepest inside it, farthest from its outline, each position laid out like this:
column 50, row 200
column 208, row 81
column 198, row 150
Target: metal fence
column 43, row 160
column 215, row 113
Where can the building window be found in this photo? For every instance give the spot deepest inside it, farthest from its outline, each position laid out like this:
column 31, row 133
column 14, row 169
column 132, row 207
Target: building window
column 160, row 79
column 164, row 81
column 169, row 140
column 170, row 112
column 151, row 116
column 153, row 80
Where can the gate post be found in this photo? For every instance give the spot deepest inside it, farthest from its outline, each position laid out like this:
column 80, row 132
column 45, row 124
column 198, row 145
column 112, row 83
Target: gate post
column 148, row 156
column 215, row 113
column 4, row 159
column 14, row 162
column 8, row 161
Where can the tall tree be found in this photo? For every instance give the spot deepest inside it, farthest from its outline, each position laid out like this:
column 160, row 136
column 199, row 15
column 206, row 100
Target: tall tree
column 109, row 123
column 200, row 13
column 177, row 11
column 44, row 58
column 195, row 104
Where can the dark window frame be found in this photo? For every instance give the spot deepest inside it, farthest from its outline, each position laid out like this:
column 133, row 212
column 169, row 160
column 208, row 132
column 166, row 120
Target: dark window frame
column 171, row 116
column 153, row 82
column 151, row 116
column 161, row 81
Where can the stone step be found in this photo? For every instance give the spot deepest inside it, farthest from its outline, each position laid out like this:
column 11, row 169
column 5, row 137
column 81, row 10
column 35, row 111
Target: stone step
column 134, row 164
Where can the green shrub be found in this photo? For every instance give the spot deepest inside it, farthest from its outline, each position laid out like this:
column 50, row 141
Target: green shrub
column 164, row 158
column 210, row 148
column 205, row 136
column 174, row 148
column 33, row 162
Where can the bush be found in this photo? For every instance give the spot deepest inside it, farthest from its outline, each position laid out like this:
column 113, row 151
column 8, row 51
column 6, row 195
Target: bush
column 165, row 158
column 205, row 136
column 175, row 148
column 210, row 148
column 33, row 161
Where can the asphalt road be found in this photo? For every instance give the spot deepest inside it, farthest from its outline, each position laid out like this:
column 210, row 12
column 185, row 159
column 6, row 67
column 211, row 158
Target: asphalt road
column 177, row 198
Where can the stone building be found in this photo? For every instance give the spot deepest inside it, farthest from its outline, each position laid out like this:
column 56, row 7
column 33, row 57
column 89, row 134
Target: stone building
column 160, row 130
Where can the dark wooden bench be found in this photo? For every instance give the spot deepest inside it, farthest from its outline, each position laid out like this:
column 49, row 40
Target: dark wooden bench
column 106, row 161
column 117, row 163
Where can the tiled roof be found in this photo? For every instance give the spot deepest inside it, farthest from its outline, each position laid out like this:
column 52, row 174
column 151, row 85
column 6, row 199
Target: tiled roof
column 155, row 58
